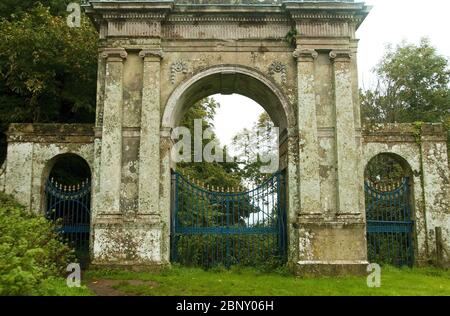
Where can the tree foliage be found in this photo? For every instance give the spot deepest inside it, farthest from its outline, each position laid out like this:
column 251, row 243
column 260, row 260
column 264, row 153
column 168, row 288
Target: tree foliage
column 12, row 9
column 251, row 145
column 47, row 69
column 413, row 85
column 223, row 174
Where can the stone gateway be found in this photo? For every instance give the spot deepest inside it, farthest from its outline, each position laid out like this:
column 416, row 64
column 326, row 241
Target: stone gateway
column 297, row 59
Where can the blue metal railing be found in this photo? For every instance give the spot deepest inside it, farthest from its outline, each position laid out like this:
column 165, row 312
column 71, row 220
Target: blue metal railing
column 70, row 208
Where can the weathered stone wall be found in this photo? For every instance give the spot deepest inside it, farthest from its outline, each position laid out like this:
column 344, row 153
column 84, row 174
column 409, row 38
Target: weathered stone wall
column 32, row 150
column 423, row 147
column 157, row 59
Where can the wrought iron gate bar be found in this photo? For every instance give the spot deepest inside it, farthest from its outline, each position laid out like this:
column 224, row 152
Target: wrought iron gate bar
column 210, row 227
column 69, row 206
column 389, row 223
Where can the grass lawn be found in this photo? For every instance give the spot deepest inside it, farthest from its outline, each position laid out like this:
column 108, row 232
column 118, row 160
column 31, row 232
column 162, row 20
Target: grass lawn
column 180, row 281
column 58, row 287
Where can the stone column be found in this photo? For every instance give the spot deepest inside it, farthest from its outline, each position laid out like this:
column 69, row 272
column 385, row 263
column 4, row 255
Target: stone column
column 346, row 147
column 149, row 153
column 309, row 180
column 111, row 151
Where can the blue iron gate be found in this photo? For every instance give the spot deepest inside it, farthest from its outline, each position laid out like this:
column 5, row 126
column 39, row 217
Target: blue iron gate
column 213, row 226
column 389, row 223
column 70, row 207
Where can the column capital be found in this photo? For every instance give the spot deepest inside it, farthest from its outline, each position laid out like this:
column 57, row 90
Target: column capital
column 344, row 55
column 305, row 54
column 114, row 54
column 157, row 54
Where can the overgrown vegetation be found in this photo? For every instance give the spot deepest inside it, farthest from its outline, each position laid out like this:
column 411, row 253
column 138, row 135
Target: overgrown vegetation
column 33, row 258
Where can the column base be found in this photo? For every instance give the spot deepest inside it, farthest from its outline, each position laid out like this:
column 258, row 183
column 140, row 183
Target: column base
column 331, row 268
column 331, row 248
column 122, row 243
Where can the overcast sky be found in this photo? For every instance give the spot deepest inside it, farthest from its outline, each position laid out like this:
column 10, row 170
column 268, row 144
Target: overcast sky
column 390, row 21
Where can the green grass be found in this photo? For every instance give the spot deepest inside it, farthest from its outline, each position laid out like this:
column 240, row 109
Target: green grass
column 181, row 281
column 58, row 287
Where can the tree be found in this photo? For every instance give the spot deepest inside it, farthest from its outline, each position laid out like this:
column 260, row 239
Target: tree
column 251, row 145
column 223, row 174
column 11, row 9
column 413, row 85
column 47, row 69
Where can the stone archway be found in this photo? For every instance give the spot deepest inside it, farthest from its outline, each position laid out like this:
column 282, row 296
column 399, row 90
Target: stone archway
column 390, row 211
column 66, row 199
column 228, row 79
column 157, row 58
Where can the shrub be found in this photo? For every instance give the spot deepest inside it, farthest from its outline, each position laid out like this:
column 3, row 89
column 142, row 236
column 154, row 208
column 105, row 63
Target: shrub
column 31, row 251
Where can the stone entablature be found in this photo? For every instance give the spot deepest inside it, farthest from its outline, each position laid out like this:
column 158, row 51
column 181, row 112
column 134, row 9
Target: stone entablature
column 51, row 133
column 175, row 20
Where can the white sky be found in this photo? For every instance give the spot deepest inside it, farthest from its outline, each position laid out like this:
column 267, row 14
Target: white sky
column 390, row 21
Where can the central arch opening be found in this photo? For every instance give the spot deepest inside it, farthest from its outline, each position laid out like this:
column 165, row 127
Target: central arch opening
column 228, row 211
